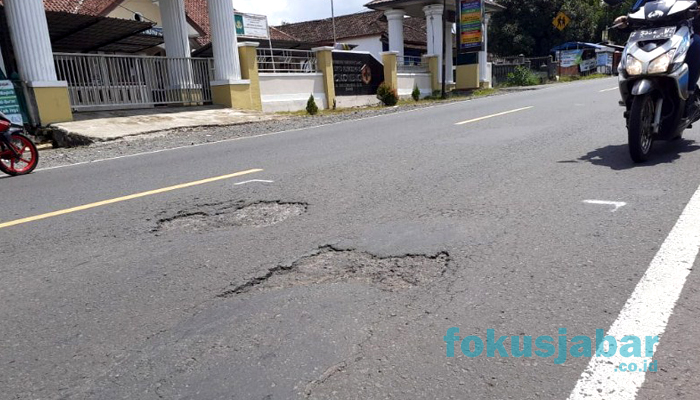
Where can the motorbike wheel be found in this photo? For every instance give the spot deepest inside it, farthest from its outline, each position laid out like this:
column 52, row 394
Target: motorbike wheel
column 639, row 129
column 25, row 163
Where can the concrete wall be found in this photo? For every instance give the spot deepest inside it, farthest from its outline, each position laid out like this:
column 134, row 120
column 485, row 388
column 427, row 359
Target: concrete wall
column 407, row 81
column 290, row 92
column 356, row 101
column 371, row 44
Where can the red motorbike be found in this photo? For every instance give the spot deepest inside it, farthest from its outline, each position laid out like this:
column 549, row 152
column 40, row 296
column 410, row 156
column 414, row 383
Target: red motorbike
column 18, row 154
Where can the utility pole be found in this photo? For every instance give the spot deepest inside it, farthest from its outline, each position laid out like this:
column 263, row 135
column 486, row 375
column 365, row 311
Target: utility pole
column 335, row 36
column 444, row 47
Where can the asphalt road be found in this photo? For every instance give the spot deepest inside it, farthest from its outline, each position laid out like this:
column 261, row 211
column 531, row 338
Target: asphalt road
column 339, row 271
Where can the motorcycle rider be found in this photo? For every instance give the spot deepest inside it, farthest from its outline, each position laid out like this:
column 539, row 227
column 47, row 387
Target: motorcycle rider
column 692, row 58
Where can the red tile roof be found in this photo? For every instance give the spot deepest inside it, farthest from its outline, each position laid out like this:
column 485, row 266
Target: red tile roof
column 374, row 3
column 86, row 7
column 196, row 10
column 276, row 34
column 319, row 31
column 198, row 14
column 367, row 23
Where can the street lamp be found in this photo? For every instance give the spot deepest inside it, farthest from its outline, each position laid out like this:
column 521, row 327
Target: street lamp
column 335, row 37
column 443, row 93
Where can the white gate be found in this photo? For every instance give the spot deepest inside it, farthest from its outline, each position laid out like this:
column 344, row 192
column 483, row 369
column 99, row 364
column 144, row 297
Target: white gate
column 112, row 82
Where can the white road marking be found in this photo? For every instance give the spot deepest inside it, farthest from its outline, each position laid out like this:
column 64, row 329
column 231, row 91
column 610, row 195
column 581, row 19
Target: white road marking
column 616, row 204
column 255, row 136
column 608, row 90
column 449, row 104
column 646, row 312
column 253, row 180
column 493, row 115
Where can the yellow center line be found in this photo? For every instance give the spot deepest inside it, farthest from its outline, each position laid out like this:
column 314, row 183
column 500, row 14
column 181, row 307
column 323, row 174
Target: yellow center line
column 493, row 115
column 125, row 198
column 608, row 90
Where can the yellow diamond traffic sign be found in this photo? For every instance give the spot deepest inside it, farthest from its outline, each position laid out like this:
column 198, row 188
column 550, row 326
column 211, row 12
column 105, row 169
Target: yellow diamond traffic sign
column 561, row 21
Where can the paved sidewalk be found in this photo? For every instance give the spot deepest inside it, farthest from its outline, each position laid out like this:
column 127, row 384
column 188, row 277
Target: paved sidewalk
column 110, row 125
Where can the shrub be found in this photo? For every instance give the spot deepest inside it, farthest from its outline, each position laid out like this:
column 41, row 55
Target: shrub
column 416, row 93
column 387, row 95
column 311, row 106
column 522, row 76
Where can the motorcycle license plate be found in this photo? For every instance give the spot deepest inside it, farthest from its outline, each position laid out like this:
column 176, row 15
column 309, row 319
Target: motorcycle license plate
column 652, row 34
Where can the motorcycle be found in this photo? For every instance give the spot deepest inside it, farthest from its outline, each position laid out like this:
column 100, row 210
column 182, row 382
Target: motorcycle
column 18, row 154
column 653, row 74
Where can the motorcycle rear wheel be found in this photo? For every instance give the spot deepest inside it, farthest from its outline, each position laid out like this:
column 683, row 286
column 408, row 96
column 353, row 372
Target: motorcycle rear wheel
column 25, row 163
column 640, row 128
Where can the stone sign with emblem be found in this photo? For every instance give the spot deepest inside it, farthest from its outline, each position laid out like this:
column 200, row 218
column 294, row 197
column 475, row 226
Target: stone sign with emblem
column 356, row 73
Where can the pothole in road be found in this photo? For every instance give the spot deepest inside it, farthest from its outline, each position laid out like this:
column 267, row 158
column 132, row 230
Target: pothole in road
column 331, row 265
column 258, row 215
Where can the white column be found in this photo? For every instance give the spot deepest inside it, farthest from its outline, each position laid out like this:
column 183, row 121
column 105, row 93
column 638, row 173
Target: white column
column 433, row 18
column 224, row 43
column 177, row 42
column 449, row 44
column 484, row 77
column 395, row 19
column 29, row 32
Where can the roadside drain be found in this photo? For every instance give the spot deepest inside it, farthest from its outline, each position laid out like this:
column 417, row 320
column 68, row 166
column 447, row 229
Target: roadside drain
column 331, row 265
column 208, row 217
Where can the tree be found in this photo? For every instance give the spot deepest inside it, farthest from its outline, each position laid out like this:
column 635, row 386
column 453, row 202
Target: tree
column 525, row 27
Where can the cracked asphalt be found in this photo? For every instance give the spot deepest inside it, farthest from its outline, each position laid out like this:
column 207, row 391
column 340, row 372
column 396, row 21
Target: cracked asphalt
column 374, row 237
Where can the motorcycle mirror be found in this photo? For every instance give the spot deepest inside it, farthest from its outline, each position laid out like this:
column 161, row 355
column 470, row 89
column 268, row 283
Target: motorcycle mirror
column 614, row 2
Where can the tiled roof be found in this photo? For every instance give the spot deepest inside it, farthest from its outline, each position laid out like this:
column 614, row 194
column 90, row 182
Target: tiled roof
column 367, row 23
column 374, row 3
column 276, row 34
column 85, row 7
column 196, row 11
column 353, row 25
column 415, row 30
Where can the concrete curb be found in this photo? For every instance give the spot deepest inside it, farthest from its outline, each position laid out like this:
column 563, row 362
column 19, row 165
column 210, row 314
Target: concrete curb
column 63, row 138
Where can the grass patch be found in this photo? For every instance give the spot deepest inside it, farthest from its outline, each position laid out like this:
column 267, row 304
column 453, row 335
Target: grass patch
column 582, row 78
column 434, row 98
column 484, row 92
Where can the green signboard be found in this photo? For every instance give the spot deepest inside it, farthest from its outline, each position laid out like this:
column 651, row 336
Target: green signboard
column 251, row 26
column 240, row 29
column 9, row 103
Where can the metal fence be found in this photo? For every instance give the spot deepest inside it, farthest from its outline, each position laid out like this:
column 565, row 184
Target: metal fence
column 499, row 72
column 101, row 82
column 411, row 64
column 286, row 61
column 544, row 67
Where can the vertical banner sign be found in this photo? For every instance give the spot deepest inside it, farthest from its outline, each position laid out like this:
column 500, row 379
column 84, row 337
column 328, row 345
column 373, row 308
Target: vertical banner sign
column 9, row 104
column 470, row 26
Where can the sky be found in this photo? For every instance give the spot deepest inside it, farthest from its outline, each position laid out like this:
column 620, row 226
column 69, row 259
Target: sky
column 298, row 10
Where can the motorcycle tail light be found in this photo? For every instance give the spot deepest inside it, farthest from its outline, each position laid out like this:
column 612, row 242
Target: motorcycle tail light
column 4, row 125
